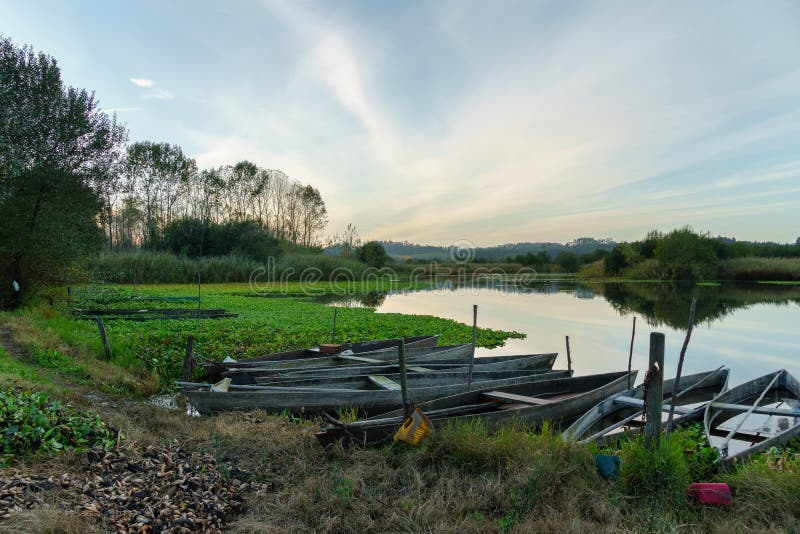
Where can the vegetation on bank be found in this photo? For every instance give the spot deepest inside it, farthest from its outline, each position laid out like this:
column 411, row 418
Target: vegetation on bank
column 684, row 255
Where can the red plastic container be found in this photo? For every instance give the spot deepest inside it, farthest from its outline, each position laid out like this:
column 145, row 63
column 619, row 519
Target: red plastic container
column 711, row 493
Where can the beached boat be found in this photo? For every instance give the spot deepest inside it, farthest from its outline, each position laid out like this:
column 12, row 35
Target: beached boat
column 416, row 366
column 770, row 405
column 415, row 380
column 314, row 400
column 558, row 400
column 245, row 375
column 606, row 419
column 382, row 349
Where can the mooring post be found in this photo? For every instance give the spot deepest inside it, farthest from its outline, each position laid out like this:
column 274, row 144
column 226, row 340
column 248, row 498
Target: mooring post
column 198, row 286
column 676, row 388
column 654, row 388
column 474, row 343
column 69, row 295
column 188, row 361
column 630, row 354
column 333, row 330
column 401, row 349
column 103, row 337
column 569, row 358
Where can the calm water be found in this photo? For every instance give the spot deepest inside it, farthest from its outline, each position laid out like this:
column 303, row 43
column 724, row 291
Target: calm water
column 752, row 329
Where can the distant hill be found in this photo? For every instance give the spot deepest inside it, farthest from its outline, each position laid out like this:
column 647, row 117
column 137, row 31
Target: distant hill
column 405, row 250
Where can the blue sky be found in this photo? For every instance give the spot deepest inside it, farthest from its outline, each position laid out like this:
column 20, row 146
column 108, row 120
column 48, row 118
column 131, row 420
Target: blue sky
column 486, row 121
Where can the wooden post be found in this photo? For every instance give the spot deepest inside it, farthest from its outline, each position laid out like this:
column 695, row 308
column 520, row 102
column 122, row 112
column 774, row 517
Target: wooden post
column 188, row 361
column 69, row 295
column 103, row 337
column 333, row 330
column 676, row 389
column 569, row 357
column 654, row 389
column 401, row 349
column 630, row 354
column 198, row 285
column 474, row 343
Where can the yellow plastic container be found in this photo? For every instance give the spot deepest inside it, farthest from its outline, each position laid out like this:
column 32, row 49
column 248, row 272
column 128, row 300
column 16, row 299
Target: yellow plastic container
column 415, row 428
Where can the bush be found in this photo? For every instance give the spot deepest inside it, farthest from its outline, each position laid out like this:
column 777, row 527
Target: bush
column 684, row 255
column 31, row 423
column 373, row 254
column 659, row 472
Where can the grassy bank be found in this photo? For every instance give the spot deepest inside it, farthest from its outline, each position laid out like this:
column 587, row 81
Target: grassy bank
column 463, row 478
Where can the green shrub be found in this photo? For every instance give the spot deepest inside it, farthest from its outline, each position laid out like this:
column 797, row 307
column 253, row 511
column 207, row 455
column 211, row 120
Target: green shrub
column 659, row 471
column 31, row 423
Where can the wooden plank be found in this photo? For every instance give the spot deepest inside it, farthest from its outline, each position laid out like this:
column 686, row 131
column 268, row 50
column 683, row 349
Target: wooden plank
column 358, row 359
column 639, row 403
column 763, row 410
column 418, row 369
column 384, row 382
column 519, row 399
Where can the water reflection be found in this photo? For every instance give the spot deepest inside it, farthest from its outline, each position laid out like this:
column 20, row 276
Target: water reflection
column 751, row 328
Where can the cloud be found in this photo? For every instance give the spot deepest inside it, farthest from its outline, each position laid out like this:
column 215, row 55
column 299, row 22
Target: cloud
column 142, row 82
column 159, row 94
column 118, row 110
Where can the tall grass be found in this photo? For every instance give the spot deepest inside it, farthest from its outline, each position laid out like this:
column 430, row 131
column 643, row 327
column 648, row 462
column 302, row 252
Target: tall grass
column 150, row 267
column 754, row 269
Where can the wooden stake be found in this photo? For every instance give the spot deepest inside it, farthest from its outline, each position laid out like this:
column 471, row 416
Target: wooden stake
column 569, row 357
column 188, row 361
column 680, row 362
column 403, row 379
column 655, row 389
column 474, row 343
column 333, row 330
column 103, row 337
column 630, row 354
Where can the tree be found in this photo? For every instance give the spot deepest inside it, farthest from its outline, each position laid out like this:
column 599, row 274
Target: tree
column 373, row 254
column 685, row 255
column 567, row 262
column 615, row 262
column 159, row 174
column 55, row 144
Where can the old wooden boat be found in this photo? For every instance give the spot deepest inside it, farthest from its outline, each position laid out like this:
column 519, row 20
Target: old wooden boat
column 624, row 411
column 418, row 365
column 413, row 356
column 769, row 405
column 558, row 400
column 386, row 395
column 415, row 380
column 382, row 349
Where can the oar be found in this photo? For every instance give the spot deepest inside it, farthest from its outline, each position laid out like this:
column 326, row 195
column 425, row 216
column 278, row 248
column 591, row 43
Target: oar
column 724, row 446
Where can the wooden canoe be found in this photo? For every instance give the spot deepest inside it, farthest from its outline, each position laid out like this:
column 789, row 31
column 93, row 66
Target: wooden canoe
column 775, row 395
column 413, row 356
column 415, row 380
column 314, row 400
column 337, row 377
column 558, row 400
column 378, row 346
column 625, row 409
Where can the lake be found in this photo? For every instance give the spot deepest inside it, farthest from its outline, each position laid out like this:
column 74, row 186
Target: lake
column 750, row 328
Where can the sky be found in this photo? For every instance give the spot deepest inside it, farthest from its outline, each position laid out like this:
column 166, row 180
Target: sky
column 451, row 121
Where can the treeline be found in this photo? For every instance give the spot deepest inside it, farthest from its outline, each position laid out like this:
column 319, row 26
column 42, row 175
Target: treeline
column 563, row 262
column 683, row 254
column 70, row 184
column 157, row 184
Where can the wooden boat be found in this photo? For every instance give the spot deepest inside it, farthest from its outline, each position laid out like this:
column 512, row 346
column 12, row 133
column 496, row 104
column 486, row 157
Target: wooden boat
column 304, row 400
column 424, row 364
column 776, row 395
column 557, row 400
column 382, row 349
column 415, row 380
column 625, row 409
column 413, row 356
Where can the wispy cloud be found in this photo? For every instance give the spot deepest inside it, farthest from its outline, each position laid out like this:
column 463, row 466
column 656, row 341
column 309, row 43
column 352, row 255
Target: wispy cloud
column 118, row 110
column 142, row 82
column 159, row 94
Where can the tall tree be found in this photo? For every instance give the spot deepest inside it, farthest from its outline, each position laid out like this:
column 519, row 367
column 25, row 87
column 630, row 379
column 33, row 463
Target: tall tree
column 159, row 174
column 54, row 145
